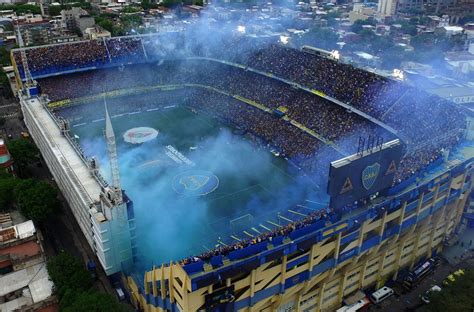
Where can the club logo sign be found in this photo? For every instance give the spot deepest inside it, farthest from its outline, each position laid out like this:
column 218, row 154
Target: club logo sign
column 194, row 182
column 369, row 175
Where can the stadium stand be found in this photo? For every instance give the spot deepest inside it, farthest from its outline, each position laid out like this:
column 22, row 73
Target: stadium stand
column 406, row 109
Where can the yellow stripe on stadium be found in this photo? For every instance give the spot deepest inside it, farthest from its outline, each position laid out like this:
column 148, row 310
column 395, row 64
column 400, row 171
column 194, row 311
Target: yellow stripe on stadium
column 319, row 93
column 339, row 227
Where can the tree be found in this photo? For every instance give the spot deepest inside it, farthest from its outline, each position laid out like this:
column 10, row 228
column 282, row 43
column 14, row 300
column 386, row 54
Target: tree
column 74, row 287
column 131, row 9
column 5, row 56
column 381, row 44
column 37, row 200
column 68, row 274
column 323, row 38
column 455, row 297
column 131, row 22
column 357, row 26
column 105, row 23
column 5, row 85
column 7, row 192
column 393, row 57
column 21, row 8
column 409, row 29
column 94, row 301
column 171, row 3
column 24, row 153
column 55, row 10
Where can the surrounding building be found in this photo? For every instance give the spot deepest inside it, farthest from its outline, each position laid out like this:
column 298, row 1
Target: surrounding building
column 105, row 218
column 96, row 32
column 36, row 33
column 76, row 19
column 387, row 7
column 6, row 162
column 24, row 281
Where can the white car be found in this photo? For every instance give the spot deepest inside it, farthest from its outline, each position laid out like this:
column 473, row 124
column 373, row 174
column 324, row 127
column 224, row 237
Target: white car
column 425, row 298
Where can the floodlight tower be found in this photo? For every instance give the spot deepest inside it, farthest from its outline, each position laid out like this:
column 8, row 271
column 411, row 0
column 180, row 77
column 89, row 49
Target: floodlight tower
column 30, row 83
column 112, row 151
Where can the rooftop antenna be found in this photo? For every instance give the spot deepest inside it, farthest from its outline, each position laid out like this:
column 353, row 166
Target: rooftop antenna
column 30, row 83
column 112, row 150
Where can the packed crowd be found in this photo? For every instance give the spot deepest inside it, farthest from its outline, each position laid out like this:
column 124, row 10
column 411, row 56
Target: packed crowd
column 330, row 121
column 63, row 55
column 125, row 47
column 406, row 109
column 267, row 236
column 427, row 124
column 81, row 54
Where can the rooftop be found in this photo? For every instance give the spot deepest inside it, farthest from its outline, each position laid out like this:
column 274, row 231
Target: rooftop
column 18, row 231
column 65, row 152
column 35, row 283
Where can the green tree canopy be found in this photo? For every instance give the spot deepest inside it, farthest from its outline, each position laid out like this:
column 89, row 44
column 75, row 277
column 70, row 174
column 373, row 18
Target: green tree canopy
column 24, row 153
column 7, row 192
column 425, row 42
column 409, row 29
column 131, row 9
column 456, row 297
column 37, row 200
column 74, row 287
column 393, row 57
column 21, row 8
column 68, row 273
column 323, row 38
column 94, row 301
column 357, row 26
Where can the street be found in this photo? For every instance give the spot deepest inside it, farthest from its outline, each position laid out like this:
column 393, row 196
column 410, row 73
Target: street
column 411, row 301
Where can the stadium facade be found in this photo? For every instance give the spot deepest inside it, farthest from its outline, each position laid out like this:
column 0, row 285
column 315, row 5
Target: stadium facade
column 309, row 269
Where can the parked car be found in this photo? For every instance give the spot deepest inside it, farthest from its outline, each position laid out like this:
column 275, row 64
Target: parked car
column 452, row 277
column 381, row 294
column 426, row 296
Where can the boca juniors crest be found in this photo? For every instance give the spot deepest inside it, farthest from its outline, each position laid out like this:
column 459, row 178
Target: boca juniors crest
column 369, row 175
column 195, row 183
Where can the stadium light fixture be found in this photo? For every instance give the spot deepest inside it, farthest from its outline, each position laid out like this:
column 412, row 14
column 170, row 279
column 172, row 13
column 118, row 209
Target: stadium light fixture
column 284, row 39
column 335, row 54
column 241, row 29
column 398, row 74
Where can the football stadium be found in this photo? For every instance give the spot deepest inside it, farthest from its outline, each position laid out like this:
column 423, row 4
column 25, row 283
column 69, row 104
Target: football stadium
column 244, row 175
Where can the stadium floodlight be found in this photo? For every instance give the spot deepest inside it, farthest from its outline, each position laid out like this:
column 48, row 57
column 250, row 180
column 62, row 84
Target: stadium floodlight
column 398, row 74
column 335, row 54
column 241, row 29
column 284, row 39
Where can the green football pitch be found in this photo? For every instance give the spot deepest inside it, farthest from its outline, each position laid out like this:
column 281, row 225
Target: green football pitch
column 227, row 188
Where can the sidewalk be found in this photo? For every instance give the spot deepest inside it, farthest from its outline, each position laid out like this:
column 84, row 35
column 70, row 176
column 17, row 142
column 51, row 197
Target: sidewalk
column 462, row 249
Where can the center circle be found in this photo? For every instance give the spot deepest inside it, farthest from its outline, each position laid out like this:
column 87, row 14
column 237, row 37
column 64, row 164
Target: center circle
column 140, row 135
column 195, row 183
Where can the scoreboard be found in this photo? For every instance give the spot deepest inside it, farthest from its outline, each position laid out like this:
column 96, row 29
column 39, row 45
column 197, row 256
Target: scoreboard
column 361, row 175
